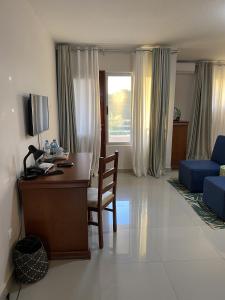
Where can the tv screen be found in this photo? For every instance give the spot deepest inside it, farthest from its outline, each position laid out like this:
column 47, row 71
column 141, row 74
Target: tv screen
column 38, row 115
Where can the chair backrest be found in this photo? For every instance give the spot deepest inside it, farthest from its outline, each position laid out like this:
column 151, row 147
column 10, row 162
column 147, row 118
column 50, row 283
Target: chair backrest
column 218, row 154
column 105, row 173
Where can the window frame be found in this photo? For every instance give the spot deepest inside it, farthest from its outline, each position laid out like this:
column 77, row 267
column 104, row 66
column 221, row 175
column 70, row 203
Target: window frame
column 106, row 112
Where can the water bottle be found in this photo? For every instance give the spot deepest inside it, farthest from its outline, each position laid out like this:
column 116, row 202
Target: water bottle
column 54, row 147
column 46, row 147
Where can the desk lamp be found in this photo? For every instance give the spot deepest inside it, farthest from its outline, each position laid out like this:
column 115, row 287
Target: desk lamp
column 37, row 154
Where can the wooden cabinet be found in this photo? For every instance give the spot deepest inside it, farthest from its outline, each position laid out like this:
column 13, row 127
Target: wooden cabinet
column 179, row 143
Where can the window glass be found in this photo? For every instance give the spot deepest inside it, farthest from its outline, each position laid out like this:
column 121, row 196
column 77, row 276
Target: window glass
column 119, row 108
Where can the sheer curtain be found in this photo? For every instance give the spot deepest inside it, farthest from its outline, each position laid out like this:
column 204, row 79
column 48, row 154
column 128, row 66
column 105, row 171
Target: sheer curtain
column 218, row 102
column 141, row 111
column 87, row 102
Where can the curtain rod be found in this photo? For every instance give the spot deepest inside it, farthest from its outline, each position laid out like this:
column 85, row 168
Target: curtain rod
column 219, row 62
column 102, row 49
column 132, row 50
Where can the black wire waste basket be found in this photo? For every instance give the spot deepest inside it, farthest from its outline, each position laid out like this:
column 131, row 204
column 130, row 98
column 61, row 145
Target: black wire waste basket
column 30, row 260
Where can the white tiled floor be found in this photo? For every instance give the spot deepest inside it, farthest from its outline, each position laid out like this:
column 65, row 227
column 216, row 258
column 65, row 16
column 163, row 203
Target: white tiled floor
column 162, row 251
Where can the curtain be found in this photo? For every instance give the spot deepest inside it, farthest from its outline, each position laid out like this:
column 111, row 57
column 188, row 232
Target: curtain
column 173, row 68
column 66, row 104
column 141, row 112
column 218, row 102
column 199, row 137
column 85, row 73
column 159, row 110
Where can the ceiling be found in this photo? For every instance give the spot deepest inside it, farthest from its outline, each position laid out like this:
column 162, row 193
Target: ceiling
column 196, row 27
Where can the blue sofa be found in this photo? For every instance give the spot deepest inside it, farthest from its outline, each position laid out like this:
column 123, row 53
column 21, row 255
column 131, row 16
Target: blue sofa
column 193, row 172
column 214, row 195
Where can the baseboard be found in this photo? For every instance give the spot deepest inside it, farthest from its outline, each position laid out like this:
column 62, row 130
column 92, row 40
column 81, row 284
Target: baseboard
column 125, row 171
column 130, row 171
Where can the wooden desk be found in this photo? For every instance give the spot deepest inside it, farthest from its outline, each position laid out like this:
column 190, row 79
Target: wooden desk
column 55, row 209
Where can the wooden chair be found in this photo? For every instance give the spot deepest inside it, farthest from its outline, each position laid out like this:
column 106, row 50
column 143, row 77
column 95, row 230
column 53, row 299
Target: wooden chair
column 99, row 198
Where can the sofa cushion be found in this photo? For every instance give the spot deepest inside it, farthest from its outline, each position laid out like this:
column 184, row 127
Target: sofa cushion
column 214, row 195
column 193, row 172
column 218, row 154
column 200, row 165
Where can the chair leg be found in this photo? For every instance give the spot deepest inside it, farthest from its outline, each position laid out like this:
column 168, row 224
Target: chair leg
column 100, row 229
column 114, row 216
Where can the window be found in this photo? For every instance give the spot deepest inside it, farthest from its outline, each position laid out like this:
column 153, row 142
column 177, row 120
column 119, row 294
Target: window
column 119, row 108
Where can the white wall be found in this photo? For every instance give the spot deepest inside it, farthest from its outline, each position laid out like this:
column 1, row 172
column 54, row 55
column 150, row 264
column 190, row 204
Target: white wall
column 118, row 62
column 27, row 65
column 115, row 61
column 184, row 94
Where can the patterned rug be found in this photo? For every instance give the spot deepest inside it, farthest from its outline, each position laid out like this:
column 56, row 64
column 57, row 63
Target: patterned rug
column 195, row 200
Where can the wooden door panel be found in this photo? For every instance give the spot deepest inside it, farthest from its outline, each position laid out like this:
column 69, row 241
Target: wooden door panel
column 102, row 85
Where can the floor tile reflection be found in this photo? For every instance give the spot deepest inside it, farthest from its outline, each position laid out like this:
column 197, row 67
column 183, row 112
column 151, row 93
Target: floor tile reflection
column 162, row 251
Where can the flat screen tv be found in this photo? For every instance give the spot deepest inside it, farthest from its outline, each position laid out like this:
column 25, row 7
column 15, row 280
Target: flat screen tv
column 38, row 114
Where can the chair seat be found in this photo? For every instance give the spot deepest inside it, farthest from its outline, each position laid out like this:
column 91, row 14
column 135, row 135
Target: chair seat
column 200, row 165
column 193, row 172
column 92, row 196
